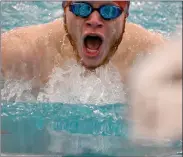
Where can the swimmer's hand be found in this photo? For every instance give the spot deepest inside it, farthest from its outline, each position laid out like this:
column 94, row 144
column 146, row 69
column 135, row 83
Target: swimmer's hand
column 156, row 94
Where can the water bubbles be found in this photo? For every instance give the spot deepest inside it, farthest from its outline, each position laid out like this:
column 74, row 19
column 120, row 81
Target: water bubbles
column 76, row 85
column 17, row 90
column 72, row 84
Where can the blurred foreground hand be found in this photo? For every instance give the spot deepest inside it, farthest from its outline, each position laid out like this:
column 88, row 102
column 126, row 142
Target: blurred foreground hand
column 155, row 87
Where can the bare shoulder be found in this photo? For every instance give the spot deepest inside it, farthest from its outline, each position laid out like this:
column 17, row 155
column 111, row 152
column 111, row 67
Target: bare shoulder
column 26, row 36
column 136, row 41
column 140, row 38
column 27, row 49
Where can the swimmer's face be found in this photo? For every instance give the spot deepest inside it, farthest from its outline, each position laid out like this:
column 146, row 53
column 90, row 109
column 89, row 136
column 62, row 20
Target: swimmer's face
column 94, row 39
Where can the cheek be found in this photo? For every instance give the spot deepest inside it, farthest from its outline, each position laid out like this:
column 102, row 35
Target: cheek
column 114, row 30
column 74, row 26
column 118, row 26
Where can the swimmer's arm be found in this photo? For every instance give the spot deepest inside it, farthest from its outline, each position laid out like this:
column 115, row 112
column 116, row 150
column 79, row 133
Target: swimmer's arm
column 27, row 52
column 156, row 82
column 15, row 53
column 17, row 57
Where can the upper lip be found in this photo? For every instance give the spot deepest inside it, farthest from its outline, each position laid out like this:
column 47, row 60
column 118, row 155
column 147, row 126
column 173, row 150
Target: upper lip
column 93, row 34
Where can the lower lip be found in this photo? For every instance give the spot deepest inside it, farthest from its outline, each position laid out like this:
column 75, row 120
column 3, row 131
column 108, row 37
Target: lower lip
column 91, row 53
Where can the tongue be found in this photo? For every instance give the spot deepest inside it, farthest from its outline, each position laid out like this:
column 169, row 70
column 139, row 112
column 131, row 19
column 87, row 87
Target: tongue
column 93, row 43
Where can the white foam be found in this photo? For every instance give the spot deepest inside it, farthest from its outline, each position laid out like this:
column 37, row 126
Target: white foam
column 72, row 84
column 75, row 84
column 17, row 90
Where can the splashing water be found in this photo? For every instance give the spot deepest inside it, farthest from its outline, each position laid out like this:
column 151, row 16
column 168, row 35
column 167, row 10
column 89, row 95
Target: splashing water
column 17, row 90
column 71, row 84
column 75, row 84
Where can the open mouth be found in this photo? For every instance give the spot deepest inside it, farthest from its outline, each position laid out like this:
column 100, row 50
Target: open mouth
column 92, row 45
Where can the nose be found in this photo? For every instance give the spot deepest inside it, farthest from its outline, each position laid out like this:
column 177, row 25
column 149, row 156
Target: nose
column 94, row 20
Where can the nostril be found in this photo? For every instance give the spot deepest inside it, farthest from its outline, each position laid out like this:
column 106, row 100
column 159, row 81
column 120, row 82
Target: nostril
column 88, row 23
column 94, row 24
column 100, row 25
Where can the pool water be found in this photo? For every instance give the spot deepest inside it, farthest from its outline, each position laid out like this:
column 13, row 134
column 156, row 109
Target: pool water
column 157, row 16
column 56, row 128
column 79, row 129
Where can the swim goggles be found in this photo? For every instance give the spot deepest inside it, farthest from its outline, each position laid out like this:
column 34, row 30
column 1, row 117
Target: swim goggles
column 84, row 10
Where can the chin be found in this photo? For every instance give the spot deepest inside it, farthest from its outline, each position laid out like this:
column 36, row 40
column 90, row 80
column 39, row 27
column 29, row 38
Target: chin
column 92, row 60
column 90, row 64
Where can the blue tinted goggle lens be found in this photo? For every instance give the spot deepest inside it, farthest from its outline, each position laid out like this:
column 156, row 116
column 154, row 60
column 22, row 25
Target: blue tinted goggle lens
column 107, row 12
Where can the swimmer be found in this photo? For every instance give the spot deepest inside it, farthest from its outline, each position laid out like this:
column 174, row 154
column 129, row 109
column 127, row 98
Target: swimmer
column 93, row 33
column 155, row 87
